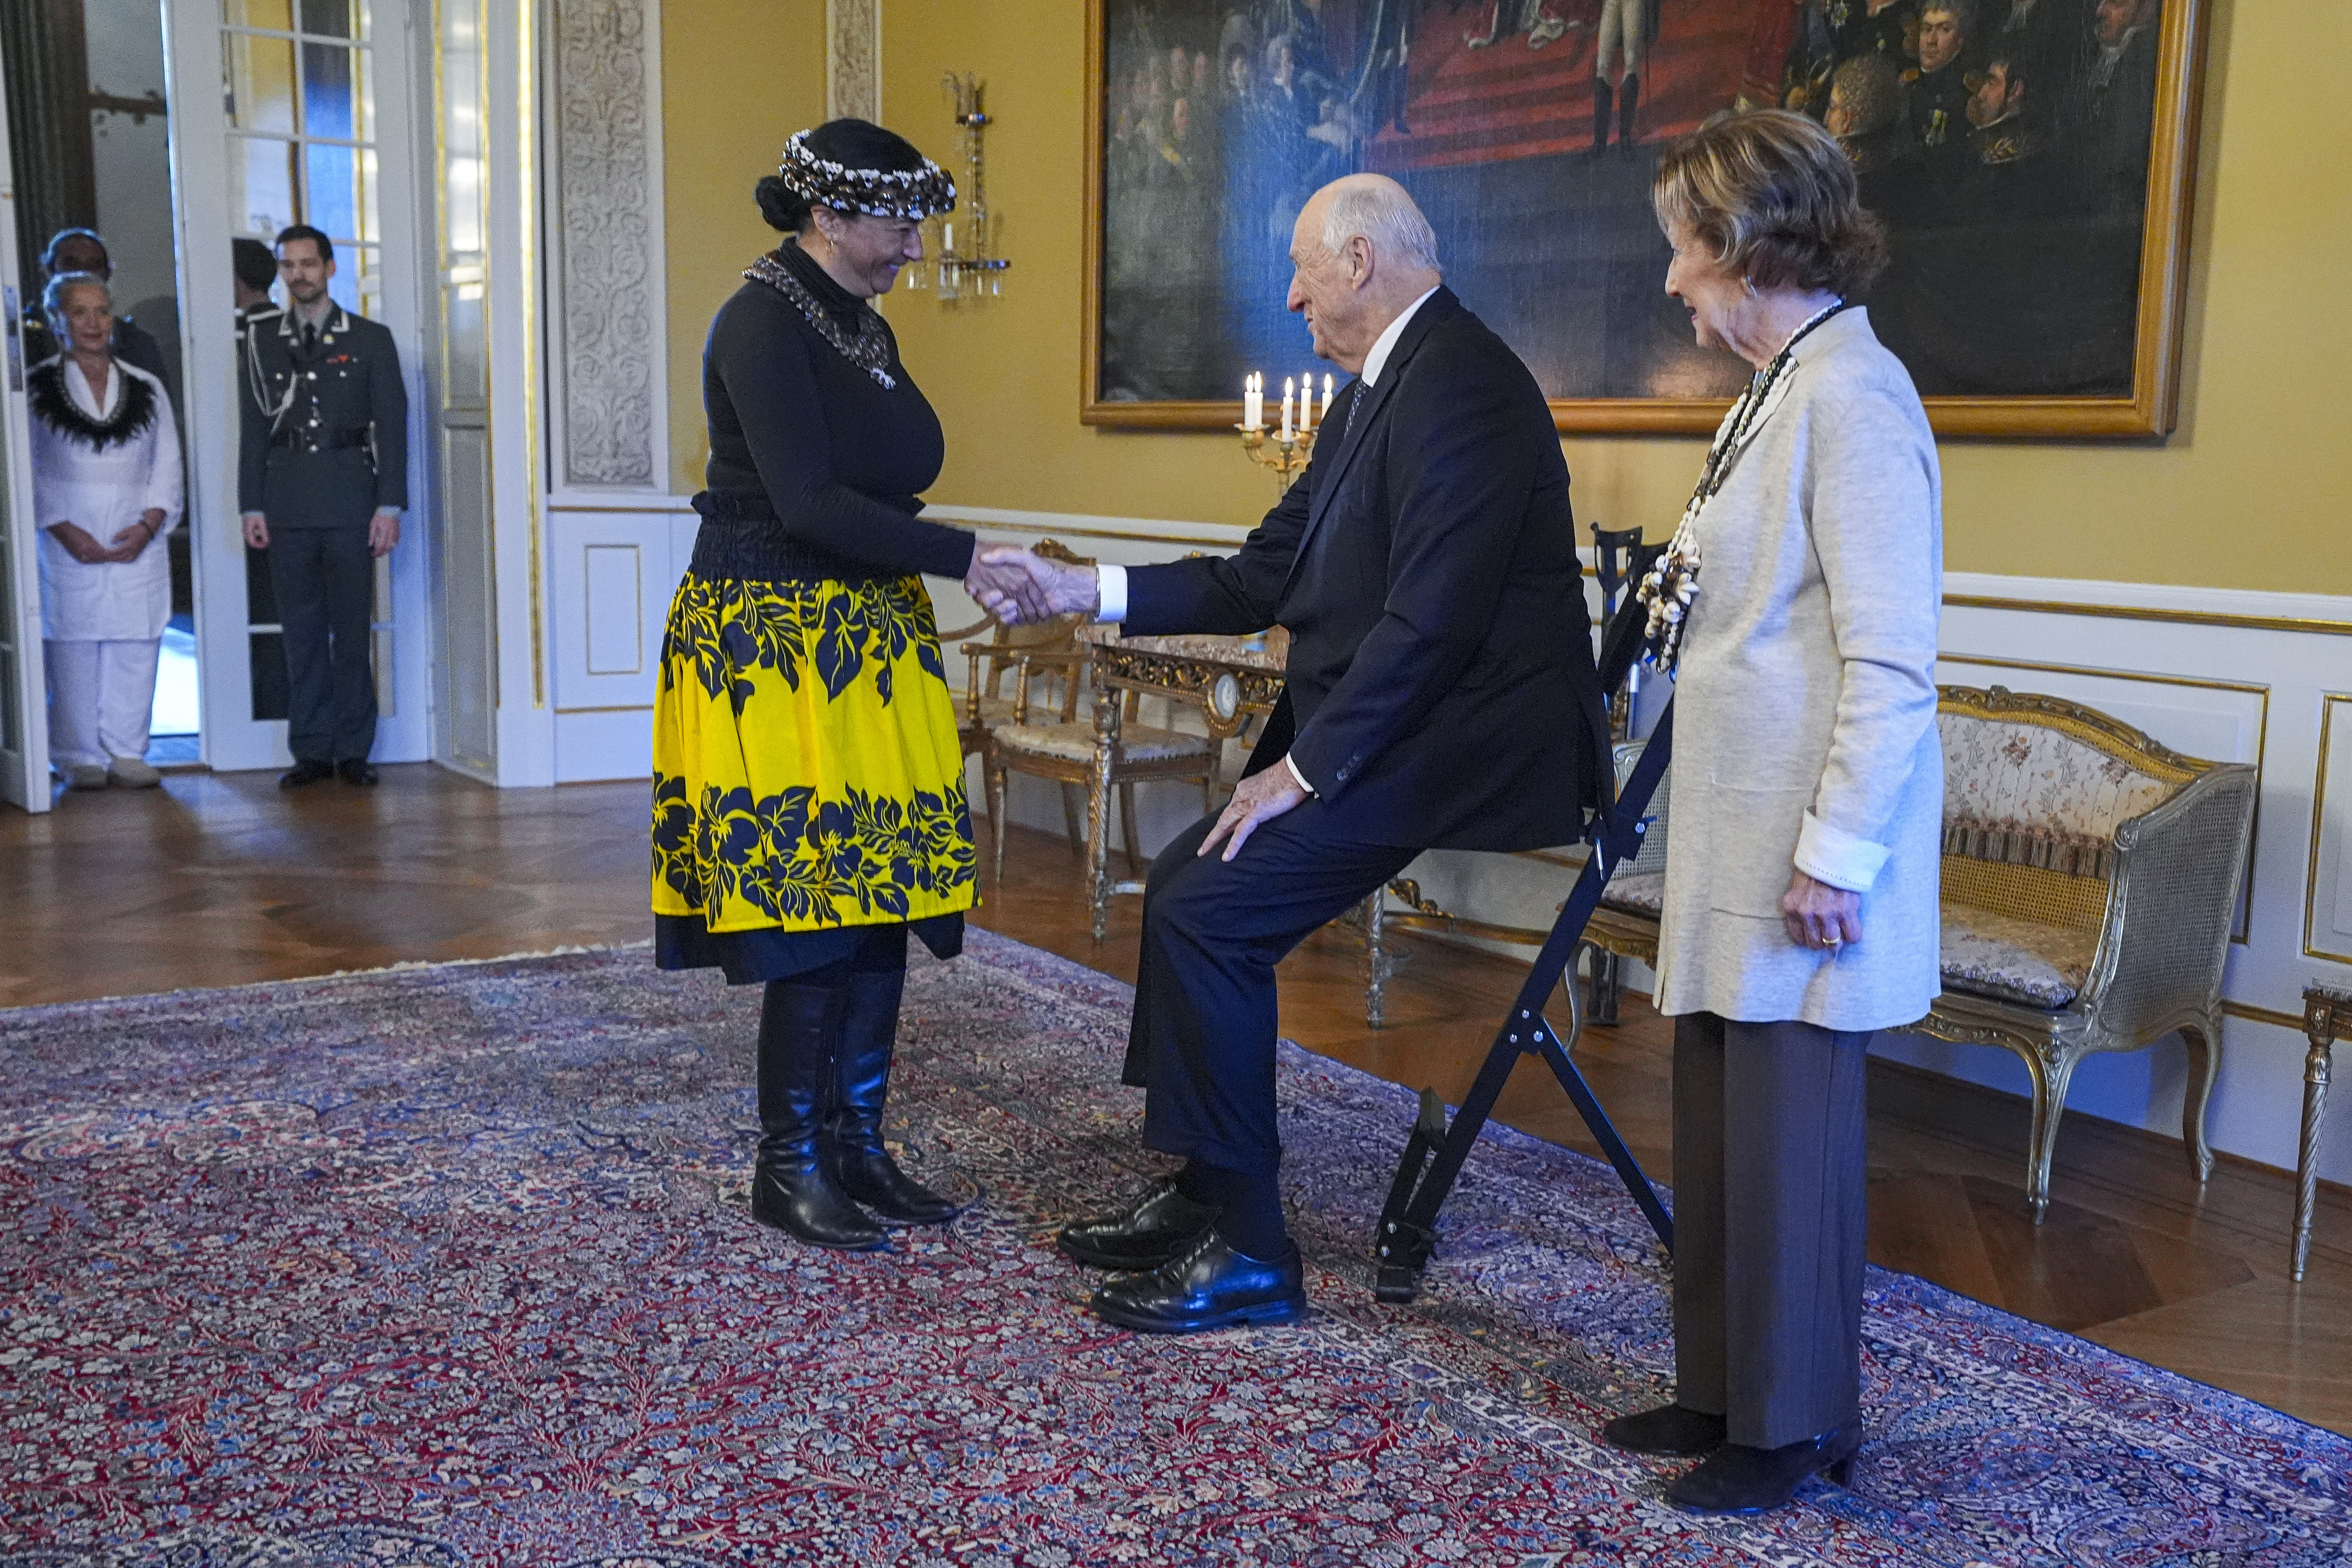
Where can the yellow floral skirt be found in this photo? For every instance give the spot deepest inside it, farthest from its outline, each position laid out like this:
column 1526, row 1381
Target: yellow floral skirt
column 807, row 775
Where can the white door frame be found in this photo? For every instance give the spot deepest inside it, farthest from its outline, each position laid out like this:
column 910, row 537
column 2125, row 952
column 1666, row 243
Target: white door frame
column 233, row 740
column 24, row 772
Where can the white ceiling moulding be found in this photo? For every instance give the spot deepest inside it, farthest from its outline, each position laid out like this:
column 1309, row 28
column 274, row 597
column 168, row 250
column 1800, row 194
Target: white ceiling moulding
column 853, row 59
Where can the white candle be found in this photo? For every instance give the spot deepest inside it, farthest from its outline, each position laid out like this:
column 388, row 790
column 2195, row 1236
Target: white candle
column 946, row 242
column 1306, row 402
column 1253, row 401
column 1289, row 389
column 1327, row 398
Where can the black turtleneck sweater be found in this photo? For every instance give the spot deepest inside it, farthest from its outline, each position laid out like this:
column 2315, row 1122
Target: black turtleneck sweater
column 840, row 459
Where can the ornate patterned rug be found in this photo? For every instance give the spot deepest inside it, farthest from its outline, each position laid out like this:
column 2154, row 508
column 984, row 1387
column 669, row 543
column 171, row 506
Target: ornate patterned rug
column 447, row 1265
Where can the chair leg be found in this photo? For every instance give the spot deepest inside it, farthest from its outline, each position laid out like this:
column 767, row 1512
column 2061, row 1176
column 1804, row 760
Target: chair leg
column 1376, row 959
column 2204, row 1069
column 1098, row 849
column 1071, row 823
column 1127, row 828
column 996, row 823
column 2049, row 1079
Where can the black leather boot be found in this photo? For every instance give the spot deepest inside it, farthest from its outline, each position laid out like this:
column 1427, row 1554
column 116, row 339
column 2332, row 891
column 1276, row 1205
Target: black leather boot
column 853, row 1145
column 1673, row 1430
column 1601, row 114
column 791, row 1188
column 1629, row 101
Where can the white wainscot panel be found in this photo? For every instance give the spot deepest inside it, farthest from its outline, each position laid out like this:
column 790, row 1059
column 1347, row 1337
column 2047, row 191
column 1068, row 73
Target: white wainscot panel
column 609, row 586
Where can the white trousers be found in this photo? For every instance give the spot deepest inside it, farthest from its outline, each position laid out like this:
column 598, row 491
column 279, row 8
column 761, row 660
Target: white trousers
column 1621, row 36
column 102, row 697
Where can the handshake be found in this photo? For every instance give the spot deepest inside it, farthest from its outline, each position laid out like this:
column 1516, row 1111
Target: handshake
column 1018, row 587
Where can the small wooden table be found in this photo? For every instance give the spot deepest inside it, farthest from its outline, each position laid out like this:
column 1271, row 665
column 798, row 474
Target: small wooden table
column 2327, row 1017
column 1229, row 679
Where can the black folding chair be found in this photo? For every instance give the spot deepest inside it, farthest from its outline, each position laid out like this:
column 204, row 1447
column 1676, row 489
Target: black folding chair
column 1434, row 1153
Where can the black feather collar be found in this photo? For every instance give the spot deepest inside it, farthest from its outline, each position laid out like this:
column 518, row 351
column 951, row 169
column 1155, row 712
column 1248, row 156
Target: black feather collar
column 56, row 408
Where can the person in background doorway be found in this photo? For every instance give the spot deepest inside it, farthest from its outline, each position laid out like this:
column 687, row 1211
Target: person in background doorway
column 255, row 270
column 106, row 486
column 323, row 478
column 80, row 251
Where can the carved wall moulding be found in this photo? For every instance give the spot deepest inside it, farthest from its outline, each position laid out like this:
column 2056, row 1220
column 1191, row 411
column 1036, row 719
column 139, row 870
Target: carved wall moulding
column 853, row 59
column 611, row 344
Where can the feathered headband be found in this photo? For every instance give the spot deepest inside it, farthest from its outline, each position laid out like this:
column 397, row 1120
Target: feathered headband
column 884, row 193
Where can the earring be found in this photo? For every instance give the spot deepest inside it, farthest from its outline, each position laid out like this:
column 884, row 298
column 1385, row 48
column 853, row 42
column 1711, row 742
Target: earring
column 1749, row 284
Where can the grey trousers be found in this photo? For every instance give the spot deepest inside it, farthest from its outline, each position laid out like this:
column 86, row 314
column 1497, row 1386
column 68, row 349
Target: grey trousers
column 1771, row 1228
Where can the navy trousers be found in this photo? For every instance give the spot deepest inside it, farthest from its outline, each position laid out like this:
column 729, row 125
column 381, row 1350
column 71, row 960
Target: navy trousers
column 1201, row 1044
column 325, row 582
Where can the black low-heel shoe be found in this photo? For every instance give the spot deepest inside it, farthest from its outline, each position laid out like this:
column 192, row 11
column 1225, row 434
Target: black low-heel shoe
column 1156, row 1228
column 1211, row 1287
column 1736, row 1478
column 1673, row 1431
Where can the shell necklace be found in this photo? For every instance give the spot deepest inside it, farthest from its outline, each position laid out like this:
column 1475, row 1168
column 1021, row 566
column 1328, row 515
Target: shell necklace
column 1672, row 583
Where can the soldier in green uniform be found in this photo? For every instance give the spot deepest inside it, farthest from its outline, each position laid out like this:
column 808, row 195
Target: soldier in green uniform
column 323, row 480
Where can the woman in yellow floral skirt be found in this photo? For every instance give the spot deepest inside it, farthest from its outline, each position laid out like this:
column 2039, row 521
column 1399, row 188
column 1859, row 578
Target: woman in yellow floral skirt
column 808, row 786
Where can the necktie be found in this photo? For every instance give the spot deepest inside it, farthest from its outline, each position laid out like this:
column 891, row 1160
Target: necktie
column 309, row 337
column 1361, row 392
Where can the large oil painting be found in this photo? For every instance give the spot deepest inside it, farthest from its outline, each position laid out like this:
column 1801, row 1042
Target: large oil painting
column 2030, row 157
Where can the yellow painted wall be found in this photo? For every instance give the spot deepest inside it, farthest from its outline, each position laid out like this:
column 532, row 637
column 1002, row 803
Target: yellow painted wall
column 737, row 76
column 2251, row 491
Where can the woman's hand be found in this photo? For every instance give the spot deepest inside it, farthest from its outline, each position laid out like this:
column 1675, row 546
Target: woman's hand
column 132, row 542
column 1819, row 916
column 81, row 545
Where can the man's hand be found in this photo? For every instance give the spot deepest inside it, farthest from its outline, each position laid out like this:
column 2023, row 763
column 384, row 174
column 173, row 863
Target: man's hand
column 81, row 545
column 1261, row 797
column 383, row 531
column 257, row 530
column 1819, row 916
column 1015, row 586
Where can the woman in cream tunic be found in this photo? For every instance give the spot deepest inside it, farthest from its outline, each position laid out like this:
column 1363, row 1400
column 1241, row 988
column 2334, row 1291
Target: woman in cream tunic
column 1797, row 604
column 106, row 487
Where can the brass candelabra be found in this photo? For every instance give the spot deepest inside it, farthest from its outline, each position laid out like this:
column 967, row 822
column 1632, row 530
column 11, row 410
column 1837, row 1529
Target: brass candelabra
column 968, row 268
column 1286, row 456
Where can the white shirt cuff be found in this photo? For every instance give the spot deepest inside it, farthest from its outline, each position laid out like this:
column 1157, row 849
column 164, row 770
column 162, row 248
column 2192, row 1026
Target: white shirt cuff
column 1840, row 858
column 1111, row 583
column 1292, row 763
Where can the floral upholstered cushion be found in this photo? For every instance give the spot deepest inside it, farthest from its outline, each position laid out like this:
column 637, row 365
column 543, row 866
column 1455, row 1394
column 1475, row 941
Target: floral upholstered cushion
column 2016, row 773
column 2011, row 960
column 1643, row 893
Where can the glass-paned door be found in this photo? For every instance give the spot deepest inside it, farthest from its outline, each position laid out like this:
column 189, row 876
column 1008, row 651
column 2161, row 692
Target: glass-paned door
column 24, row 716
column 299, row 89
column 306, row 121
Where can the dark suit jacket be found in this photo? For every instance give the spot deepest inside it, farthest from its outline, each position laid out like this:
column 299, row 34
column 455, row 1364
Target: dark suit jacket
column 340, row 450
column 1440, row 685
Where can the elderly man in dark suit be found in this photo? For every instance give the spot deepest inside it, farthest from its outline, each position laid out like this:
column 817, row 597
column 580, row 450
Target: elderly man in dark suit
column 1441, row 693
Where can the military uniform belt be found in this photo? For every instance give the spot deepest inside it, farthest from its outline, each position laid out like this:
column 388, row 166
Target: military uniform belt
column 330, row 441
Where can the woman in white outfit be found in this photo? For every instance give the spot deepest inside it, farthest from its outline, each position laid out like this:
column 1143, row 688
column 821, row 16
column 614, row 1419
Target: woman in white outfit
column 106, row 487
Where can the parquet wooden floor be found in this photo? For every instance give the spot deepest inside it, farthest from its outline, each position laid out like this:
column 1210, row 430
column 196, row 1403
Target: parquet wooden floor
column 218, row 880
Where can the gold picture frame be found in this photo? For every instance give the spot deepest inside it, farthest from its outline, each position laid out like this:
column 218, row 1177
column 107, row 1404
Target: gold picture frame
column 2150, row 408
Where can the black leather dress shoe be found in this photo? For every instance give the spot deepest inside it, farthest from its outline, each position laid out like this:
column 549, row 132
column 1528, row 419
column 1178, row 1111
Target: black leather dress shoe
column 1672, row 1430
column 1736, row 1478
column 1155, row 1228
column 1210, row 1287
column 302, row 773
column 355, row 771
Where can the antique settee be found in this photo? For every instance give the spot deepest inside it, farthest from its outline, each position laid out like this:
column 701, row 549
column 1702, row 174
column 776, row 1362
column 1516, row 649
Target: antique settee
column 2090, row 886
